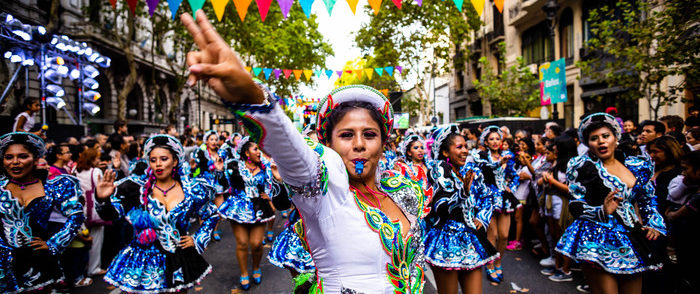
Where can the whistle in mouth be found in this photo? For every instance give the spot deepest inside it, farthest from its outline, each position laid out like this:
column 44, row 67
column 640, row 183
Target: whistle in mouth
column 359, row 166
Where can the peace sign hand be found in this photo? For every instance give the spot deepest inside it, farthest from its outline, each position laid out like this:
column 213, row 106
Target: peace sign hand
column 217, row 64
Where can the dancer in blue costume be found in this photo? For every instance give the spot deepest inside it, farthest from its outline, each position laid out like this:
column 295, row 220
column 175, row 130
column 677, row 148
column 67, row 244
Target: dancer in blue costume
column 161, row 257
column 229, row 149
column 608, row 236
column 249, row 206
column 210, row 167
column 501, row 178
column 456, row 245
column 29, row 250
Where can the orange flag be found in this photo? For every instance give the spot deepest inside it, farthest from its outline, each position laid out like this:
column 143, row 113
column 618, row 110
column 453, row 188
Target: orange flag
column 358, row 72
column 219, row 8
column 369, row 72
column 376, row 5
column 297, row 73
column 248, row 68
column 499, row 5
column 242, row 7
column 353, row 5
column 308, row 73
column 385, row 92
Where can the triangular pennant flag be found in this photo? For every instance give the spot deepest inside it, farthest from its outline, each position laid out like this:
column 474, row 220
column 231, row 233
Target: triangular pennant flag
column 172, row 4
column 277, row 72
column 285, row 6
column 268, row 72
column 297, row 73
column 329, row 73
column 308, row 73
column 420, row 2
column 348, row 71
column 287, row 73
column 358, row 73
column 219, row 8
column 353, row 5
column 263, row 8
column 499, row 5
column 195, row 5
column 318, row 73
column 248, row 68
column 339, row 72
column 151, row 6
column 369, row 72
column 389, row 70
column 306, row 6
column 397, row 3
column 242, row 7
column 376, row 5
column 478, row 5
column 385, row 92
column 256, row 71
column 399, row 68
column 114, row 4
column 379, row 70
column 132, row 5
column 329, row 5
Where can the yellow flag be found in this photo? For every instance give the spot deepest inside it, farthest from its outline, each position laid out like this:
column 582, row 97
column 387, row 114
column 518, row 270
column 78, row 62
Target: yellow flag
column 248, row 68
column 241, row 7
column 478, row 6
column 308, row 73
column 376, row 5
column 353, row 5
column 369, row 72
column 297, row 73
column 219, row 7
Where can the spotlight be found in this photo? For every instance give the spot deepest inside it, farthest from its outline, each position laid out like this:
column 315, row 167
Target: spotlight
column 22, row 30
column 88, row 51
column 92, row 95
column 55, row 61
column 104, row 62
column 74, row 74
column 53, row 76
column 94, row 56
column 55, row 90
column 39, row 34
column 90, row 71
column 56, row 102
column 91, row 108
column 6, row 17
column 91, row 84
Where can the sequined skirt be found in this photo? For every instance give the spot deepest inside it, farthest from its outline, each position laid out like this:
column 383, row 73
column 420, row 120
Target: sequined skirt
column 606, row 245
column 246, row 210
column 25, row 269
column 287, row 251
column 150, row 269
column 504, row 202
column 455, row 246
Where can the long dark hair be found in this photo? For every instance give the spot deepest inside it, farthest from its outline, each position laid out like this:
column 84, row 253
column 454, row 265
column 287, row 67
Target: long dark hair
column 151, row 177
column 566, row 150
column 671, row 147
column 245, row 148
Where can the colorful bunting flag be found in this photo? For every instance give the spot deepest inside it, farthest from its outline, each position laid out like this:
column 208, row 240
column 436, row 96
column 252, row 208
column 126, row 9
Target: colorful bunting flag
column 379, row 70
column 151, row 6
column 499, row 5
column 263, row 8
column 318, row 73
column 385, row 92
column 297, row 73
column 287, row 73
column 256, row 71
column 248, row 68
column 268, row 72
column 195, row 5
column 132, row 5
column 478, row 6
column 172, row 4
column 459, row 4
column 219, row 8
column 397, row 3
column 285, row 6
column 376, row 5
column 329, row 73
column 389, row 70
column 358, row 72
column 369, row 72
column 420, row 2
column 308, row 73
column 306, row 6
column 329, row 5
column 242, row 7
column 277, row 72
column 339, row 72
column 399, row 68
column 353, row 5
column 114, row 4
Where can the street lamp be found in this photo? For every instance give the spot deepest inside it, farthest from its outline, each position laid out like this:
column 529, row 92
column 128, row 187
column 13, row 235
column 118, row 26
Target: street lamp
column 550, row 9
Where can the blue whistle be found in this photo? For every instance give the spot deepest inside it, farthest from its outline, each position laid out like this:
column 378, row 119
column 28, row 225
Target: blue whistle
column 359, row 166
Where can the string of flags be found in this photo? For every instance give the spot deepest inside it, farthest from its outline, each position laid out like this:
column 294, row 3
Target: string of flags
column 285, row 5
column 367, row 73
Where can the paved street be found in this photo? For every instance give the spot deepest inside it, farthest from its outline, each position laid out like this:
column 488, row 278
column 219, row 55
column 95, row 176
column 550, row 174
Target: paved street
column 520, row 268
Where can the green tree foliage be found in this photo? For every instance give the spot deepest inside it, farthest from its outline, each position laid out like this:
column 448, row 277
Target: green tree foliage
column 294, row 43
column 639, row 44
column 514, row 92
column 416, row 35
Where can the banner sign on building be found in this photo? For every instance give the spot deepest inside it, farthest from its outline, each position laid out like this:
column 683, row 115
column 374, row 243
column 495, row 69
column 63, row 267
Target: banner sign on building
column 401, row 120
column 553, row 82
